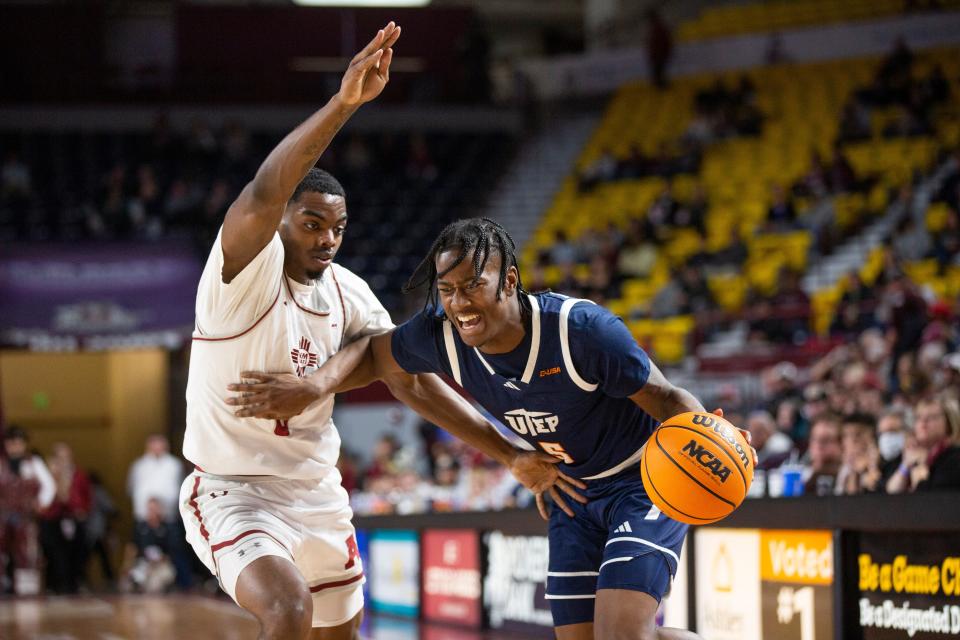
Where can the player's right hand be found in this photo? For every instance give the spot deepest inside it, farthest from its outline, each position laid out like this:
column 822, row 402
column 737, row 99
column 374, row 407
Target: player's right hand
column 369, row 71
column 538, row 472
column 273, row 396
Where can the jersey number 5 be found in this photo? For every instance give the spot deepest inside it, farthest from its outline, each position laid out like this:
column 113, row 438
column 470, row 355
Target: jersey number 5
column 554, row 449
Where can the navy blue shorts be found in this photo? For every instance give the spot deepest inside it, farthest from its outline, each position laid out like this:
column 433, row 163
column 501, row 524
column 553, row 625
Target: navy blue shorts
column 618, row 540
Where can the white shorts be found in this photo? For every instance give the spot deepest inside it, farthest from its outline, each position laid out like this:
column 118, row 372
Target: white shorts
column 232, row 521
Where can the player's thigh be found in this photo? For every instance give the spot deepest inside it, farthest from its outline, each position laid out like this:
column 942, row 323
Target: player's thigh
column 349, row 630
column 576, row 552
column 582, row 631
column 271, row 586
column 623, row 614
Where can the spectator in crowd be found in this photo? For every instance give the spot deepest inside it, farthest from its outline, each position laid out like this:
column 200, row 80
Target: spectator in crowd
column 26, row 487
column 814, row 402
column 893, row 428
column 824, row 456
column 638, row 256
column 99, row 535
column 383, row 463
column 931, row 457
column 156, row 474
column 781, row 216
column 949, row 377
column 349, row 470
column 602, row 169
column 63, row 523
column 773, row 446
column 150, row 565
column 563, row 253
column 659, row 47
column 860, row 471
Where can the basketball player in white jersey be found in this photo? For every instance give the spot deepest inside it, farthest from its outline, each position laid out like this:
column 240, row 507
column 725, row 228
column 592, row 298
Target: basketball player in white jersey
column 264, row 509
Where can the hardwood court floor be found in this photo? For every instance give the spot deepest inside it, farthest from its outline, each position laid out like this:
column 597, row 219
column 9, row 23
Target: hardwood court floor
column 173, row 617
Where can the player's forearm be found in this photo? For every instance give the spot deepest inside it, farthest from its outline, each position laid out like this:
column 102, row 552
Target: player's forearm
column 298, row 152
column 436, row 402
column 350, row 368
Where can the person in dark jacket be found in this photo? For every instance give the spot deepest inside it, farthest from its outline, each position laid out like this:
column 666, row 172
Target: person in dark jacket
column 931, row 458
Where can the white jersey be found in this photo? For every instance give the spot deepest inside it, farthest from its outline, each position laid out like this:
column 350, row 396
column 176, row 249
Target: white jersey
column 265, row 321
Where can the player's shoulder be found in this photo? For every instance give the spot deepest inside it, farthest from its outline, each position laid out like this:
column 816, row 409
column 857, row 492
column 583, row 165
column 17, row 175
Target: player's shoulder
column 576, row 311
column 348, row 279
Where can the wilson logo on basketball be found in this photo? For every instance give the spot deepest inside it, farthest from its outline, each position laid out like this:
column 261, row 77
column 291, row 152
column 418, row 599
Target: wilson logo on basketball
column 707, row 460
column 725, row 433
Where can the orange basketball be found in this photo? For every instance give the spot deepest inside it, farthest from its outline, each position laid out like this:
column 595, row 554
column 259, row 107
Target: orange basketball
column 697, row 468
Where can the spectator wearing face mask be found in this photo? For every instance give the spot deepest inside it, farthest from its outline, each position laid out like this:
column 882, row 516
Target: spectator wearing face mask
column 892, row 430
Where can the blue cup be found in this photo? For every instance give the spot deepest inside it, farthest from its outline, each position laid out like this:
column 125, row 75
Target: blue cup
column 792, row 482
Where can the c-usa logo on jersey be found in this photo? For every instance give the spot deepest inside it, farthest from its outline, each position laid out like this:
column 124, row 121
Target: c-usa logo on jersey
column 531, row 422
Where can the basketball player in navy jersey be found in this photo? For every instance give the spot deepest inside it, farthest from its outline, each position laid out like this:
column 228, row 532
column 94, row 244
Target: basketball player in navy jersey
column 566, row 376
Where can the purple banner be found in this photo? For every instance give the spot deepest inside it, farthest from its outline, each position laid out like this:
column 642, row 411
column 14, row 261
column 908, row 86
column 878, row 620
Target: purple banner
column 64, row 297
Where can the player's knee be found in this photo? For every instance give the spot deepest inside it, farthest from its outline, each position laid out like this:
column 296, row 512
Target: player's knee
column 611, row 630
column 288, row 617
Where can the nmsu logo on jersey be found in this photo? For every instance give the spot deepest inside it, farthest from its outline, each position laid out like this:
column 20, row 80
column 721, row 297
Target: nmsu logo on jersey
column 707, row 459
column 725, row 433
column 531, row 422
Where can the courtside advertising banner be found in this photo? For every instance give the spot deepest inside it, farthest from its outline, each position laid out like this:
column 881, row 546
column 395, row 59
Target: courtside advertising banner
column 728, row 583
column 763, row 585
column 796, row 572
column 909, row 586
column 451, row 577
column 394, row 573
column 515, row 583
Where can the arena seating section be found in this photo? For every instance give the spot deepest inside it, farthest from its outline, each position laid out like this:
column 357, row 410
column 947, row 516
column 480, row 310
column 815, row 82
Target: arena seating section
column 110, row 186
column 757, row 17
column 802, row 106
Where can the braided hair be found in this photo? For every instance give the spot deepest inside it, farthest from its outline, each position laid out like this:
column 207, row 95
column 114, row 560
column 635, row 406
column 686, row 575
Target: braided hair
column 476, row 238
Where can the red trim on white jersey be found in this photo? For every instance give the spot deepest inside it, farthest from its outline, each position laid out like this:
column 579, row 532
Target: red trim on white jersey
column 196, row 508
column 249, row 329
column 338, row 583
column 228, row 543
column 343, row 307
column 300, row 306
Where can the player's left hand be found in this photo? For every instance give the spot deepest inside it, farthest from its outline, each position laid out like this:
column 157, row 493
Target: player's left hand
column 746, row 436
column 538, row 472
column 274, row 396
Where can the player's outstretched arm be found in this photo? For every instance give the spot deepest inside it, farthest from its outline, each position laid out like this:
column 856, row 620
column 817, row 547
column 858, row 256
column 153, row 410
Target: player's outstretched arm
column 254, row 216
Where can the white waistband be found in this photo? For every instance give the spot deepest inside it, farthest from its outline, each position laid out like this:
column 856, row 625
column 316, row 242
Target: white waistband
column 612, row 471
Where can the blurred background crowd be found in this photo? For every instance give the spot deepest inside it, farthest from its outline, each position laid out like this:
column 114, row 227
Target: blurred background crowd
column 783, row 238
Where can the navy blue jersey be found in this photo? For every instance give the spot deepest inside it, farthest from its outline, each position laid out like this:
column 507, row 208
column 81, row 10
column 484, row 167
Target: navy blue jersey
column 564, row 389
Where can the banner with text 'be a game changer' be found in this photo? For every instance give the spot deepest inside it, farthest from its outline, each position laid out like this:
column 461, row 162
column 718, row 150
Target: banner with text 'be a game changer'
column 909, row 586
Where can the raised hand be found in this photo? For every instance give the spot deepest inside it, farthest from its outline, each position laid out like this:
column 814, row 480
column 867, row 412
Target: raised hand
column 369, row 71
column 538, row 472
column 274, row 396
